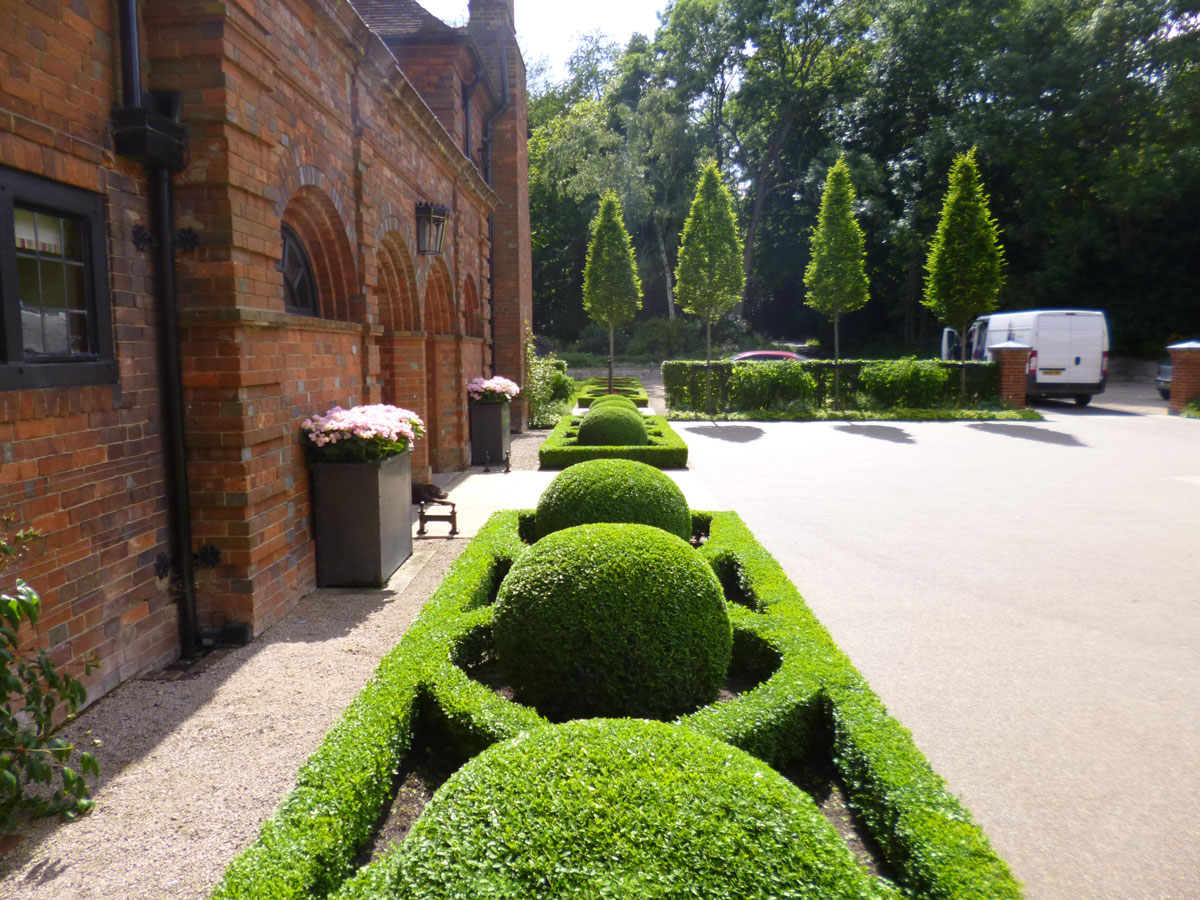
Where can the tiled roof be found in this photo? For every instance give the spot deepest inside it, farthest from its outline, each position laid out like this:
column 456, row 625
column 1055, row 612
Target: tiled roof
column 400, row 18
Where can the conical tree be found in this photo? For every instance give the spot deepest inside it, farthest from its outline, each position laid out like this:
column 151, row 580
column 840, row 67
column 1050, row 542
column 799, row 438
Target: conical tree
column 964, row 271
column 709, row 277
column 836, row 277
column 612, row 291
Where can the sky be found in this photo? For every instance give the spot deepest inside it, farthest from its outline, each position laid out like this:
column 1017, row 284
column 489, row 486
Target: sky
column 549, row 28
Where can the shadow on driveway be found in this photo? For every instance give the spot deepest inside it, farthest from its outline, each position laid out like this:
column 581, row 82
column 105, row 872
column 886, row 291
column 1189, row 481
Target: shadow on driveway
column 879, row 432
column 738, row 434
column 1029, row 433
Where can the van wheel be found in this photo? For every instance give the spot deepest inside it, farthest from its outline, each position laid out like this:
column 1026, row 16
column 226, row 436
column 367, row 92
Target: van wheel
column 1083, row 399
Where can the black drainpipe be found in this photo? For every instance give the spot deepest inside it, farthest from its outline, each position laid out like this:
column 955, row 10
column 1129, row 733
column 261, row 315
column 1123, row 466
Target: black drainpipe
column 155, row 138
column 487, row 142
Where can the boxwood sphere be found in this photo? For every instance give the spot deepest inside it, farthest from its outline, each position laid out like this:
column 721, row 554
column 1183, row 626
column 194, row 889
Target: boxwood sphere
column 614, row 400
column 613, row 490
column 623, row 809
column 613, row 620
column 612, row 426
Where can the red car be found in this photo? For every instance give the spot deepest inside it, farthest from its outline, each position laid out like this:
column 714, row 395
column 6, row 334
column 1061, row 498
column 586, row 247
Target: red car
column 761, row 355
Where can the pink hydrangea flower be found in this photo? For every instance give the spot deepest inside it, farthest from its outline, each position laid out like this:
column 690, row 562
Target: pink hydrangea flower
column 362, row 433
column 496, row 389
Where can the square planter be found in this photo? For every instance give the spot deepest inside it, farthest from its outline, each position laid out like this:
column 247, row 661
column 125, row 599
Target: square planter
column 363, row 520
column 489, row 432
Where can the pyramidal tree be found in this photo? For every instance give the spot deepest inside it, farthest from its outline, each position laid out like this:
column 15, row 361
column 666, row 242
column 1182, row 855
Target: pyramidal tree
column 964, row 270
column 612, row 291
column 709, row 277
column 836, row 277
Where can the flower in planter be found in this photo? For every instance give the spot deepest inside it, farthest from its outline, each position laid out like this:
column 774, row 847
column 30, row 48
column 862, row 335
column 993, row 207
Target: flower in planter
column 361, row 434
column 496, row 389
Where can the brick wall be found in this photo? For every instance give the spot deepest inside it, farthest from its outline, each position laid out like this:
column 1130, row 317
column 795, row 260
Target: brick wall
column 84, row 465
column 1185, row 376
column 295, row 113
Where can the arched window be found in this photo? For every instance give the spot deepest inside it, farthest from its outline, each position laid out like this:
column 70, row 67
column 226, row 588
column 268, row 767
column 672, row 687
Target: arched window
column 299, row 286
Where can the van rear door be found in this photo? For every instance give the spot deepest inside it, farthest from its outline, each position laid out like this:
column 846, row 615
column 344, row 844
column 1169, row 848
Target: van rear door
column 1087, row 349
column 1053, row 344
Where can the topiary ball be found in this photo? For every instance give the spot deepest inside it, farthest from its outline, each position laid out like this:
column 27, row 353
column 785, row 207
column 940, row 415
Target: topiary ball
column 612, row 426
column 622, row 809
column 614, row 400
column 612, row 620
column 613, row 490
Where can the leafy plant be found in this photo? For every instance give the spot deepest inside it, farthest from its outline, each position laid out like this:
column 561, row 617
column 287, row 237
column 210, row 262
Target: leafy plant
column 547, row 386
column 33, row 692
column 612, row 291
column 909, row 383
column 964, row 269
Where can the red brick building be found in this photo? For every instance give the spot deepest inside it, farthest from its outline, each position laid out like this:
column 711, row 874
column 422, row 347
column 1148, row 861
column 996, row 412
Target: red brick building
column 208, row 231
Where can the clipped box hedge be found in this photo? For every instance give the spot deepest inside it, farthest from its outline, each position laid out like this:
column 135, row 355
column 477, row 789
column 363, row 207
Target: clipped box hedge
column 595, row 388
column 788, row 381
column 665, row 450
column 813, row 700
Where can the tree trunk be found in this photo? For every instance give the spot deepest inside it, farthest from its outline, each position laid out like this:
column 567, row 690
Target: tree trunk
column 962, row 383
column 662, row 250
column 837, row 367
column 708, row 401
column 611, row 340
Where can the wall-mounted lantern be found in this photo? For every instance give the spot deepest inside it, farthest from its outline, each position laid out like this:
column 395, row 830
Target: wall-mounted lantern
column 431, row 227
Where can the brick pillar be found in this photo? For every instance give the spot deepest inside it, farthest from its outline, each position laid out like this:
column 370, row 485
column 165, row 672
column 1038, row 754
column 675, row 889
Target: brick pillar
column 1185, row 375
column 1013, row 361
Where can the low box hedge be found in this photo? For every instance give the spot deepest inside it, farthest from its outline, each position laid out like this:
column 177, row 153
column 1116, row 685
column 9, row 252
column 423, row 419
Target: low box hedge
column 813, row 701
column 665, row 450
column 595, row 388
column 776, row 384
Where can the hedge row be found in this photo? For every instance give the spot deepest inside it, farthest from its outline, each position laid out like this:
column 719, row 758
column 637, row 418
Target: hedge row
column 595, row 388
column 815, row 695
column 561, row 448
column 766, row 385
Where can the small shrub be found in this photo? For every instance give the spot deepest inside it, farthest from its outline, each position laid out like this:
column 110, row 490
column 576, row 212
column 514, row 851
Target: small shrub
column 614, row 400
column 763, row 385
column 664, row 450
column 32, row 692
column 613, row 490
column 547, row 387
column 611, row 426
column 613, row 620
column 910, row 383
column 620, row 809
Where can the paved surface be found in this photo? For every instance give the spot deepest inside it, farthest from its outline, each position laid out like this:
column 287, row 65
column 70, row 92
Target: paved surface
column 1024, row 597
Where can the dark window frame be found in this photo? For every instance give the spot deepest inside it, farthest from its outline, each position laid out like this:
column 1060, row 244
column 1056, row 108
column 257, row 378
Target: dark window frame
column 300, row 298
column 42, row 195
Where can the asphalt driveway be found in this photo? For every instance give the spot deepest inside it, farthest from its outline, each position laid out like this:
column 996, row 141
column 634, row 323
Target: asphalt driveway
column 1026, row 599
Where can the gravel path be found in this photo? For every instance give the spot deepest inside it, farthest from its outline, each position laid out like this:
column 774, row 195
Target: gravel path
column 192, row 767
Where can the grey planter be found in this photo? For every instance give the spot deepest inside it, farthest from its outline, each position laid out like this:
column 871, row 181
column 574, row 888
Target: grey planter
column 489, row 432
column 363, row 520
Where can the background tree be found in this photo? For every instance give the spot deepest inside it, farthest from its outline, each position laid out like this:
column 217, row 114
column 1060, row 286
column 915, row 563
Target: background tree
column 963, row 273
column 836, row 277
column 612, row 291
column 709, row 279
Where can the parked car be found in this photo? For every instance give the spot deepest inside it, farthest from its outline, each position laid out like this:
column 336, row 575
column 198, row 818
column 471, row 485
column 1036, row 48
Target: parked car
column 1162, row 380
column 764, row 355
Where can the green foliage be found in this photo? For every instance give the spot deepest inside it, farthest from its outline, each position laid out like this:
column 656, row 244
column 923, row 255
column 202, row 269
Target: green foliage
column 33, row 694
column 836, row 277
column 908, row 383
column 1192, row 410
column 613, row 490
column 963, row 271
column 766, row 385
column 584, row 796
column 613, row 400
column 709, row 278
column 612, row 291
column 612, row 426
column 547, row 390
column 597, row 388
column 612, row 620
column 665, row 450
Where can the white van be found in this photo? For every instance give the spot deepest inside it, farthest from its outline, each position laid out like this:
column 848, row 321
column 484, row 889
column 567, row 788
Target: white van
column 1070, row 348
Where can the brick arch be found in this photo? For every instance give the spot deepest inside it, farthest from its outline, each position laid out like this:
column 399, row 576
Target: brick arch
column 470, row 302
column 313, row 216
column 444, row 386
column 439, row 300
column 398, row 306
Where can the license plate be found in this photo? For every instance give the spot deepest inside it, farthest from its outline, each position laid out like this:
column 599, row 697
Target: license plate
column 1052, row 371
